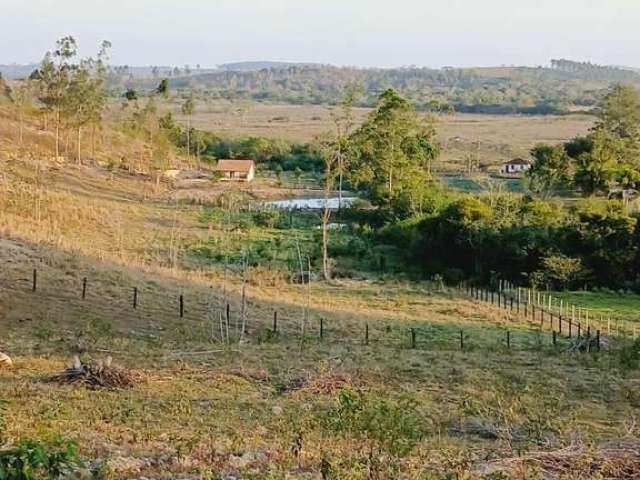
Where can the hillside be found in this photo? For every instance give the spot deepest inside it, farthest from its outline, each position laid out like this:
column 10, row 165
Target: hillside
column 367, row 377
column 260, row 65
column 566, row 87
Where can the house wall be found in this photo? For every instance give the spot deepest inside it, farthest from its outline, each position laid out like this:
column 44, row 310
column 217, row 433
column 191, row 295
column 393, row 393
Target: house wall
column 516, row 168
column 239, row 176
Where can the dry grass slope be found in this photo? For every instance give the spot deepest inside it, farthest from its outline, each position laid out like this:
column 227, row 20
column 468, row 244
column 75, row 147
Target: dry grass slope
column 273, row 405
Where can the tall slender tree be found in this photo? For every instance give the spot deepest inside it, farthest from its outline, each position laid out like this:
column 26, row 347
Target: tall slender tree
column 188, row 108
column 55, row 76
column 22, row 99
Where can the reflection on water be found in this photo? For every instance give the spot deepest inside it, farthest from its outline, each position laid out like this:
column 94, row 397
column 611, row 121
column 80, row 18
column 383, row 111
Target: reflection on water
column 312, row 203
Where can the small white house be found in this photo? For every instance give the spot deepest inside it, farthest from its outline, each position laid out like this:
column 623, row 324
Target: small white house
column 515, row 166
column 238, row 170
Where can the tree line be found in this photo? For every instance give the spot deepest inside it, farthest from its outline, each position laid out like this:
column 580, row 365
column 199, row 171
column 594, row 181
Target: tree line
column 528, row 239
column 501, row 90
column 605, row 160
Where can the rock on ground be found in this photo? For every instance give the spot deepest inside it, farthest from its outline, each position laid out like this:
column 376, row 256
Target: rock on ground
column 5, row 360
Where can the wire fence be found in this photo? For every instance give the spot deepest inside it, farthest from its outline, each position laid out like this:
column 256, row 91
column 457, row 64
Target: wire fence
column 551, row 312
column 216, row 316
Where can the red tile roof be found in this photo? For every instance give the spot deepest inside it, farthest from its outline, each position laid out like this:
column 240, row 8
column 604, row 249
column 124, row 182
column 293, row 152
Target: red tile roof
column 228, row 165
column 518, row 161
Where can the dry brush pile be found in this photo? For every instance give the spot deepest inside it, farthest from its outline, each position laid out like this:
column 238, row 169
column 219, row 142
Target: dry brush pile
column 98, row 374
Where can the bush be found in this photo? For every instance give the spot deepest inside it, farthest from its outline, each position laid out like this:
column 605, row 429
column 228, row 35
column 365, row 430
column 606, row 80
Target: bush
column 384, row 427
column 628, row 357
column 266, row 218
column 33, row 460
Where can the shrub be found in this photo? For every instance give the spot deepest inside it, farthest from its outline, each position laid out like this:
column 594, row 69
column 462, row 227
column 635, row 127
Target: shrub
column 33, row 460
column 628, row 357
column 266, row 218
column 383, row 426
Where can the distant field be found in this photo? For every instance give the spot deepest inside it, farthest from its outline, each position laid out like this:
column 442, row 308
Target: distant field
column 489, row 139
column 623, row 306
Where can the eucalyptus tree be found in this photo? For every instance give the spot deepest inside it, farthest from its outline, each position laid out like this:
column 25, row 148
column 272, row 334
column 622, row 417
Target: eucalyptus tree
column 22, row 99
column 550, row 172
column 390, row 155
column 54, row 76
column 332, row 147
column 73, row 91
column 163, row 88
column 187, row 109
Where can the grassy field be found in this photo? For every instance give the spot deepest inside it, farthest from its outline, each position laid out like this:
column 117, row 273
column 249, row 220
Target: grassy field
column 205, row 404
column 487, row 140
column 622, row 306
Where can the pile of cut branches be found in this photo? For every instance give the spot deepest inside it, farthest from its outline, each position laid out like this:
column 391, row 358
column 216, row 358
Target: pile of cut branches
column 619, row 461
column 94, row 375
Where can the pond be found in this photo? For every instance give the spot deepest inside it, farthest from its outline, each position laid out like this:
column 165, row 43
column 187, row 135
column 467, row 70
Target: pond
column 311, row 203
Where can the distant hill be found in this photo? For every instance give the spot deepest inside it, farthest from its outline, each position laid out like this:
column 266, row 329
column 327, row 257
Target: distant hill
column 14, row 71
column 563, row 87
column 261, row 65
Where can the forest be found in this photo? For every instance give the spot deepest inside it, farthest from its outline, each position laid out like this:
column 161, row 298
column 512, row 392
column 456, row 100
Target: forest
column 561, row 88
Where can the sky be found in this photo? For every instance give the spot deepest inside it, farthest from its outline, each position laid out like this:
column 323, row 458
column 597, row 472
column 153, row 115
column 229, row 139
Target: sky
column 371, row 33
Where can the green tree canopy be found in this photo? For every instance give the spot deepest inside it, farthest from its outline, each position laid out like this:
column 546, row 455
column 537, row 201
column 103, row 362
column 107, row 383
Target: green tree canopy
column 389, row 155
column 549, row 173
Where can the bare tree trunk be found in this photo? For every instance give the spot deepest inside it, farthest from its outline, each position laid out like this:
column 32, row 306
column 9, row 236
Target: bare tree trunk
column 340, row 185
column 326, row 273
column 189, row 138
column 93, row 141
column 243, row 311
column 20, row 127
column 57, row 134
column 79, row 158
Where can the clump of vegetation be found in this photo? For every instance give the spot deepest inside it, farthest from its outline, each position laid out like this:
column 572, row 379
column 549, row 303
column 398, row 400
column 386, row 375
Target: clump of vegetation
column 386, row 430
column 101, row 374
column 35, row 460
column 628, row 357
column 601, row 162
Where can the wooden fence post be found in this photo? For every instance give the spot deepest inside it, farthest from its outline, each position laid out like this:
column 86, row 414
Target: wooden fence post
column 275, row 321
column 598, row 340
column 508, row 339
column 84, row 288
column 413, row 338
column 553, row 336
column 135, row 297
column 34, row 284
column 181, row 306
column 321, row 328
column 366, row 334
column 461, row 340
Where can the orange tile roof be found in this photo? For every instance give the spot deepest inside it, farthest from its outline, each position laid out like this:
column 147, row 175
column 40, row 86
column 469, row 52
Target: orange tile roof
column 228, row 165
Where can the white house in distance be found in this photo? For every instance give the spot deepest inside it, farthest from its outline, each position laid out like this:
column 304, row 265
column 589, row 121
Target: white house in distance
column 237, row 170
column 515, row 166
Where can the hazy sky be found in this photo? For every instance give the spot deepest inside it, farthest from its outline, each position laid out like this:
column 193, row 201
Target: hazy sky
column 343, row 32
